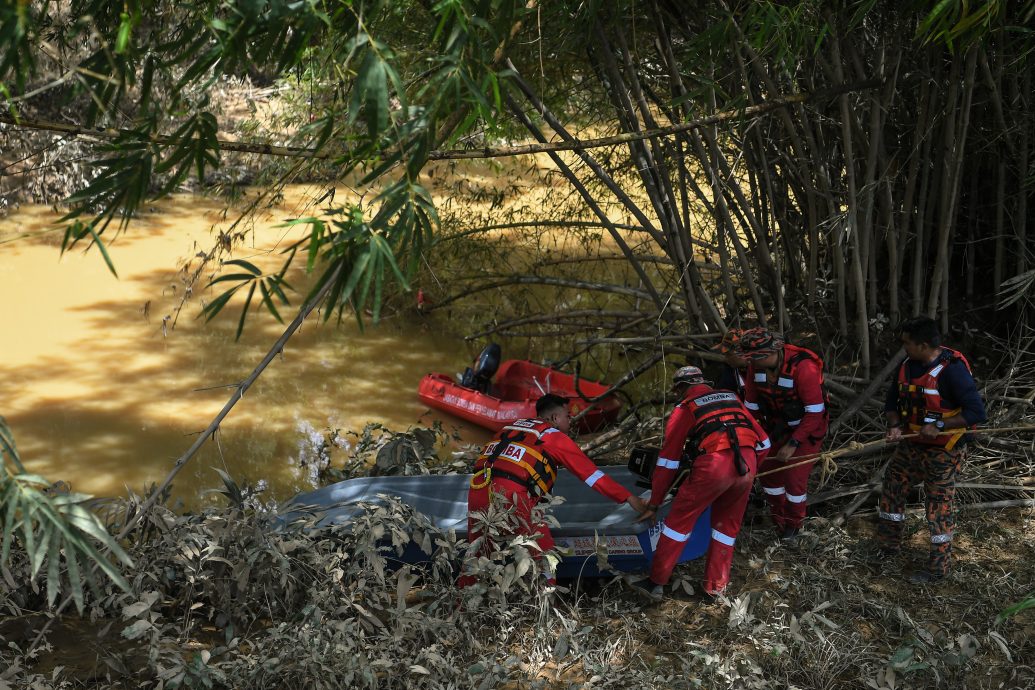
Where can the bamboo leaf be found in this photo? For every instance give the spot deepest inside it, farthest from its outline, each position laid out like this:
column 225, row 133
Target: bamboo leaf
column 53, row 571
column 75, row 579
column 244, row 312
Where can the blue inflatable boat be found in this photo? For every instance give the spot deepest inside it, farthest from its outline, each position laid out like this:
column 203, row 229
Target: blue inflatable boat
column 587, row 519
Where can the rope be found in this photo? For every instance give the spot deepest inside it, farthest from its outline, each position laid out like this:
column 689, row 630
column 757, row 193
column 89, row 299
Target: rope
column 829, row 467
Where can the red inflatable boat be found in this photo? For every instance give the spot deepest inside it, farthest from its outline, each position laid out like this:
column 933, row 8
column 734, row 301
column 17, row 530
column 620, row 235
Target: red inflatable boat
column 518, row 384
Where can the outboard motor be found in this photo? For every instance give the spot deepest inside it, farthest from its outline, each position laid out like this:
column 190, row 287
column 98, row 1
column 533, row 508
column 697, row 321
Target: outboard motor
column 480, row 378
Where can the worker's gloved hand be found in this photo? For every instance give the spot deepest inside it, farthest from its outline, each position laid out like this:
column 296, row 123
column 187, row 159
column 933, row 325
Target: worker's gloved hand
column 894, row 434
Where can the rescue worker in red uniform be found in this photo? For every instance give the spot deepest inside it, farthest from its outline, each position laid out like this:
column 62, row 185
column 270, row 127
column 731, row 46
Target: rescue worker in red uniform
column 520, row 467
column 721, row 438
column 784, row 391
column 933, row 394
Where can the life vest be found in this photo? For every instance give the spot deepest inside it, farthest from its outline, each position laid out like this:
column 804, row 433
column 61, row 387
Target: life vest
column 920, row 403
column 779, row 402
column 721, row 423
column 517, row 455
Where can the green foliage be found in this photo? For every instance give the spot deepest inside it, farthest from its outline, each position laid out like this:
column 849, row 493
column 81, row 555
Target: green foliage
column 53, row 528
column 380, row 101
column 959, row 23
column 1014, row 609
column 271, row 287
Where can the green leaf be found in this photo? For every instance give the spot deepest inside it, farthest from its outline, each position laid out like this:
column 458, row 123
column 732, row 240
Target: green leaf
column 244, row 312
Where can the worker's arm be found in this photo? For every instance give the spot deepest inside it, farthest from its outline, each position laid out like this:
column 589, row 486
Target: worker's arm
column 809, row 389
column 956, row 386
column 676, row 430
column 566, row 451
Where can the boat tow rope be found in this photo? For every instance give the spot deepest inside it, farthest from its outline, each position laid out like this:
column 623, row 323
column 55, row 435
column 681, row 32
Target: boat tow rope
column 829, row 467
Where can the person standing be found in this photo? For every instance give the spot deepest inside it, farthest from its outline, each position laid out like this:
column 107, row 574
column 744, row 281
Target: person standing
column 784, row 391
column 714, row 429
column 933, row 398
column 519, row 467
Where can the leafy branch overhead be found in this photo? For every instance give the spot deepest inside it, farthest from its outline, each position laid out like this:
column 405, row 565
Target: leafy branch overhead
column 147, row 68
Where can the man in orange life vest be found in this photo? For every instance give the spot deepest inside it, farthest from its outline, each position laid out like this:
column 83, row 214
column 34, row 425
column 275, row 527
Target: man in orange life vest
column 520, row 466
column 934, row 395
column 714, row 429
column 784, row 391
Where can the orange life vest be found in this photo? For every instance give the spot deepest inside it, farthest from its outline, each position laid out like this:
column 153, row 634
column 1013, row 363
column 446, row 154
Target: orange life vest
column 920, row 403
column 517, row 455
column 779, row 401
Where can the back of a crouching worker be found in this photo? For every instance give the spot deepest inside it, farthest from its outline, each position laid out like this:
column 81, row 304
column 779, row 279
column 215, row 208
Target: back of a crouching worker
column 725, row 443
column 518, row 469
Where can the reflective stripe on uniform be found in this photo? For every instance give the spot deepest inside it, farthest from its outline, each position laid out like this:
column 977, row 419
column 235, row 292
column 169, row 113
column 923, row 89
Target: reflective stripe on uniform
column 760, row 376
column 941, row 538
column 894, row 517
column 931, row 391
column 793, row 422
column 674, row 535
column 774, row 490
column 668, row 464
column 551, row 430
column 752, row 406
column 592, row 479
column 762, row 445
column 785, row 382
column 797, row 499
column 937, row 370
column 723, row 538
column 819, row 407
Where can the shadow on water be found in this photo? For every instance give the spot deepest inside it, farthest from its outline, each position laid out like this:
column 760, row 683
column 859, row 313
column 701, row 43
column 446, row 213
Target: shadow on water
column 97, row 396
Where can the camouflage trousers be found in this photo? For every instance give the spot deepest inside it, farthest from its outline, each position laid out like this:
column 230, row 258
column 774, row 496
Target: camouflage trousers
column 937, row 468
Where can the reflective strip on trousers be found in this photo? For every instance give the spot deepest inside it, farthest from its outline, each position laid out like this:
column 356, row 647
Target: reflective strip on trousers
column 894, row 517
column 941, row 538
column 818, row 407
column 723, row 538
column 774, row 490
column 674, row 535
column 752, row 406
column 797, row 499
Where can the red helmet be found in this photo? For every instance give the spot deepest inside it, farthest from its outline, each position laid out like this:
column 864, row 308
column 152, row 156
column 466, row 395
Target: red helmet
column 759, row 343
column 729, row 340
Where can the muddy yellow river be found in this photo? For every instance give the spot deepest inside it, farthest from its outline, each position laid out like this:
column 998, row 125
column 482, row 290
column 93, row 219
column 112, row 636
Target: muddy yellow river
column 102, row 391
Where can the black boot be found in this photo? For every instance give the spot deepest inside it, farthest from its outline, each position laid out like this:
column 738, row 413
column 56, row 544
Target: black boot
column 925, row 577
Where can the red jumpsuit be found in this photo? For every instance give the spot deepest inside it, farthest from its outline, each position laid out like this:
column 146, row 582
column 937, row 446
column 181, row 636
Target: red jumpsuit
column 714, row 479
column 793, row 408
column 523, row 470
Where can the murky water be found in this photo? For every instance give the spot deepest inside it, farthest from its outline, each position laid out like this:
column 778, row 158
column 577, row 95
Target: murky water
column 97, row 393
